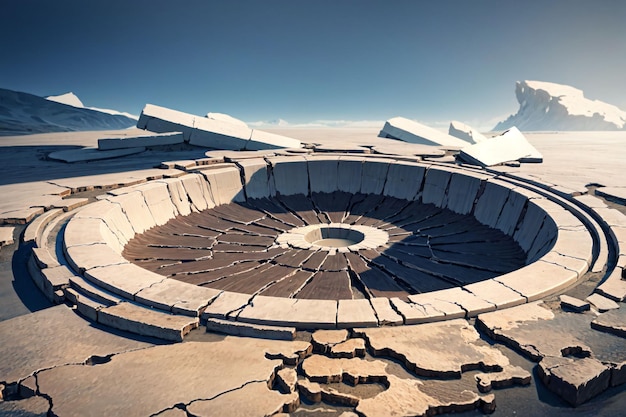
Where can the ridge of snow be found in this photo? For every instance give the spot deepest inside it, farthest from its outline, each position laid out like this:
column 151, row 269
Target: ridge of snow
column 68, row 98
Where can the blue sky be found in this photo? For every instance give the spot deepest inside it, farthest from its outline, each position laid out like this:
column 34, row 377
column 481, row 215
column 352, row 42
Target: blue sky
column 432, row 61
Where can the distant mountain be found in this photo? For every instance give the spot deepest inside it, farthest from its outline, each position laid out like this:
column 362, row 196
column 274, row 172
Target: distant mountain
column 23, row 114
column 550, row 106
column 72, row 100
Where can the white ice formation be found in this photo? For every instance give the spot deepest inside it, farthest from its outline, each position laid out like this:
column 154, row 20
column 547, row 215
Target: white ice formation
column 550, row 106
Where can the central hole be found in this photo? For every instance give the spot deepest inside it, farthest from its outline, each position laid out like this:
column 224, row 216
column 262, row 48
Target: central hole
column 334, row 237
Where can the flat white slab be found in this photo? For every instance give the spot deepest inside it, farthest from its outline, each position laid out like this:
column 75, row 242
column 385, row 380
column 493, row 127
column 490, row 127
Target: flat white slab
column 509, row 146
column 170, row 138
column 92, row 154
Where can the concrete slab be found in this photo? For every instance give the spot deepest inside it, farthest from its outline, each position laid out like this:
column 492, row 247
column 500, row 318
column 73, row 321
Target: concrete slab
column 472, row 304
column 236, row 328
column 413, row 132
column 355, row 313
column 170, row 138
column 538, row 280
column 92, row 154
column 256, row 177
column 385, row 313
column 614, row 194
column 465, row 132
column 573, row 304
column 510, row 213
column 6, row 235
column 614, row 287
column 133, row 205
column 490, row 203
column 226, row 305
column 260, row 139
column 112, row 215
column 158, row 200
column 323, row 174
column 225, row 185
column 302, row 314
column 602, row 303
column 436, row 186
column 177, row 297
column 349, row 172
column 289, row 176
column 404, row 180
column 198, row 191
column 509, row 146
column 124, row 279
column 496, row 293
column 374, row 175
column 462, row 193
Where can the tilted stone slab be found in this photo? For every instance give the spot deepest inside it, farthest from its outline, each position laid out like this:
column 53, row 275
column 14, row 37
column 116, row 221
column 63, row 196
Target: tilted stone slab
column 124, row 279
column 256, row 177
column 302, row 314
column 89, row 231
column 355, row 313
column 140, row 320
column 94, row 292
column 163, row 120
column 538, row 280
column 236, row 328
column 614, row 287
column 374, row 175
column 93, row 256
column 225, row 304
column 404, row 180
column 289, row 175
column 414, row 132
column 529, row 226
column 260, row 139
column 602, row 303
column 489, row 204
column 44, row 258
column 511, row 212
column 465, row 132
column 349, row 171
column 613, row 321
column 35, row 229
column 435, row 186
column 171, row 138
column 177, row 297
column 55, row 278
column 225, row 185
column 323, row 174
column 6, row 235
column 509, row 146
column 217, row 134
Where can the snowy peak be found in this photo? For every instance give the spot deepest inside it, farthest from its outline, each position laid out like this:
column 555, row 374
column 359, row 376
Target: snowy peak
column 551, row 106
column 68, row 98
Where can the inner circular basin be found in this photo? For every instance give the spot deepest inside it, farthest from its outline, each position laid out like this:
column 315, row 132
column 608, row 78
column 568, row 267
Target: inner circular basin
column 334, row 237
column 329, row 246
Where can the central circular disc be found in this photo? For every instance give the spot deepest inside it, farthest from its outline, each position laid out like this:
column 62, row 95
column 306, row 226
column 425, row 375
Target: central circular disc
column 333, row 236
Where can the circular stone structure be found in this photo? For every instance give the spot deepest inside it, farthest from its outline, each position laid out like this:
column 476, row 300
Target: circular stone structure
column 330, row 242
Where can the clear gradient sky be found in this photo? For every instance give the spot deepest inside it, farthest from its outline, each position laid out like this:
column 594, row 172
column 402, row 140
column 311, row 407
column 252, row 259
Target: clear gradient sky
column 298, row 60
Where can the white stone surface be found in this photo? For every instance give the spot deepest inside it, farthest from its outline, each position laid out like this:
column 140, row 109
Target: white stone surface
column 414, row 132
column 260, row 140
column 462, row 193
column 349, row 173
column 157, row 198
column 255, row 176
column 92, row 256
column 178, row 195
column 225, row 185
column 124, row 279
column 197, row 189
column 304, row 314
column 170, row 138
column 509, row 146
column 538, row 280
column 289, row 175
column 136, row 210
column 355, row 313
column 177, row 297
column 6, row 235
column 374, row 175
column 496, row 293
column 92, row 154
column 323, row 173
column 489, row 204
column 435, row 186
column 404, row 180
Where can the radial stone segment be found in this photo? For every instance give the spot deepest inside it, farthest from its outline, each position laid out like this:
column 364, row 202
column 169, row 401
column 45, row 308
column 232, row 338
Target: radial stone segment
column 392, row 243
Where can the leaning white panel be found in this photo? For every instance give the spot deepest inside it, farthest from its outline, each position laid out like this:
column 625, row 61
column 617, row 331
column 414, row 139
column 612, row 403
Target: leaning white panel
column 509, row 146
column 413, row 132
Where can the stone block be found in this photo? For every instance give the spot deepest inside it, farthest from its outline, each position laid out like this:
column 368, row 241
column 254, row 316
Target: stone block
column 602, row 303
column 510, row 213
column 54, row 279
column 163, row 120
column 462, row 193
column 496, row 293
column 178, row 195
column 44, row 258
column 94, row 292
column 35, row 229
column 374, row 175
column 574, row 380
column 289, row 175
column 385, row 313
column 177, row 297
column 538, row 280
column 170, row 138
column 146, row 322
column 355, row 313
column 469, row 302
column 6, row 235
column 236, row 328
column 573, row 304
column 489, row 205
column 614, row 287
column 217, row 134
column 90, row 231
column 323, row 174
column 198, row 191
column 509, row 146
column 113, row 216
column 265, row 140
column 349, row 171
column 124, row 279
column 436, row 186
column 529, row 226
column 225, row 185
column 157, row 198
column 413, row 132
column 414, row 313
column 404, row 180
column 302, row 314
column 136, row 210
column 465, row 132
column 255, row 176
column 92, row 256
column 226, row 304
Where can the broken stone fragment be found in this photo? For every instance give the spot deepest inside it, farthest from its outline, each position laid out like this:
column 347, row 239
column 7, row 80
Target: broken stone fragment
column 573, row 304
column 354, row 371
column 511, row 375
column 286, row 379
column 574, row 380
column 613, row 321
column 349, row 349
column 602, row 303
column 324, row 340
